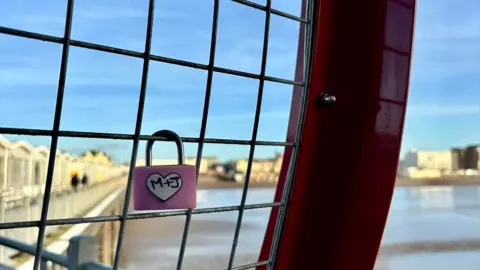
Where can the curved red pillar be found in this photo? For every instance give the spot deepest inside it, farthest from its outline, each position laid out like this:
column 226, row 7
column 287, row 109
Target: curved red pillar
column 346, row 167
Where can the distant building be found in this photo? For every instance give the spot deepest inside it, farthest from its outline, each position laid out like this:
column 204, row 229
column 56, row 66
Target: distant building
column 410, row 159
column 261, row 165
column 205, row 162
column 97, row 157
column 458, row 159
column 263, row 170
column 440, row 160
column 211, row 159
column 25, row 167
column 416, row 173
column 431, row 164
column 471, row 154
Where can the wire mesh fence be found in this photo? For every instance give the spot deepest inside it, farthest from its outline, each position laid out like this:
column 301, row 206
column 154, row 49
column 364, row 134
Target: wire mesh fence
column 51, row 217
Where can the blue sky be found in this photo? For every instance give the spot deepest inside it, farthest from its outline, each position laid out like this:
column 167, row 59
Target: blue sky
column 102, row 89
column 444, row 100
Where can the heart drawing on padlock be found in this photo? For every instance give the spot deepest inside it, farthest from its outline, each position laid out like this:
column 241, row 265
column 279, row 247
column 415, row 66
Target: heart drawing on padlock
column 164, row 187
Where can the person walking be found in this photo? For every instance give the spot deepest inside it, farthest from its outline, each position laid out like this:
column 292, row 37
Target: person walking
column 75, row 181
column 84, row 181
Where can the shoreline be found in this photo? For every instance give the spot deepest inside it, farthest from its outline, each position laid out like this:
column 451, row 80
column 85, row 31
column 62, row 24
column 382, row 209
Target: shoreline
column 444, row 181
column 209, row 182
column 155, row 243
column 220, row 184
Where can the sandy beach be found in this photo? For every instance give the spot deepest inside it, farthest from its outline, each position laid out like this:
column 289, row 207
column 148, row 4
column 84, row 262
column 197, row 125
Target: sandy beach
column 444, row 223
column 154, row 244
column 210, row 182
column 444, row 181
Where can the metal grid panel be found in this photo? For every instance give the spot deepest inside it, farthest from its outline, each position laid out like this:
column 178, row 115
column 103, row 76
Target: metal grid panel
column 55, row 132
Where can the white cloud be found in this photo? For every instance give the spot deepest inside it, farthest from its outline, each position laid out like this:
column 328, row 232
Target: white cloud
column 446, row 19
column 50, row 24
column 38, row 19
column 224, row 117
column 112, row 13
column 444, row 51
column 31, row 76
column 442, row 110
column 446, row 41
column 244, row 55
column 94, row 70
column 247, row 56
column 447, row 29
column 429, row 69
column 25, row 76
column 248, row 116
column 109, row 13
column 79, row 102
column 171, row 14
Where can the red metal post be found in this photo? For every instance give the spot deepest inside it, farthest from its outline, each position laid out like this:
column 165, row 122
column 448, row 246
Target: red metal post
column 346, row 167
column 291, row 134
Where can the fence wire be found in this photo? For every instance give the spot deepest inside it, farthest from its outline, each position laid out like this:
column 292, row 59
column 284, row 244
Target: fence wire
column 55, row 133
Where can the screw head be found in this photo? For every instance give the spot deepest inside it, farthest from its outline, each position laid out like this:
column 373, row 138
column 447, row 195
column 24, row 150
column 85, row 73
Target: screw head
column 325, row 99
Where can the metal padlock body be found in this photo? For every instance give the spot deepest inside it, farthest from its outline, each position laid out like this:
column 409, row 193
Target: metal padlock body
column 164, row 187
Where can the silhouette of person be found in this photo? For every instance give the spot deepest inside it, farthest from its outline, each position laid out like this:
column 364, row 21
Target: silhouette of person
column 84, row 180
column 75, row 181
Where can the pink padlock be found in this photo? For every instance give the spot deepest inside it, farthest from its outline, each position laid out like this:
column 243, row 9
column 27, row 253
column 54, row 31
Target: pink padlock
column 164, row 187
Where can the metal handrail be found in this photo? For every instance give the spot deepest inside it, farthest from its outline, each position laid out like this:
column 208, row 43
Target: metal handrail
column 95, row 266
column 16, row 193
column 30, row 249
column 81, row 255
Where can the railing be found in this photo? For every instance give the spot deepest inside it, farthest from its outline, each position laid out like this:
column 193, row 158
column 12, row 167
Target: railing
column 65, row 203
column 82, row 254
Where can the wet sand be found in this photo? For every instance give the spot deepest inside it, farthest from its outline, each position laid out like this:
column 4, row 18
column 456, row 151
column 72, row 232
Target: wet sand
column 423, row 251
column 225, row 185
column 155, row 244
column 210, row 182
column 419, row 247
column 444, row 181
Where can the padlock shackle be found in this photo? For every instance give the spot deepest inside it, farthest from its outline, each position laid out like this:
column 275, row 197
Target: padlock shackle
column 169, row 135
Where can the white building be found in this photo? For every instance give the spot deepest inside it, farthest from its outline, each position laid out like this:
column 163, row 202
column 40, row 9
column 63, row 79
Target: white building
column 204, row 163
